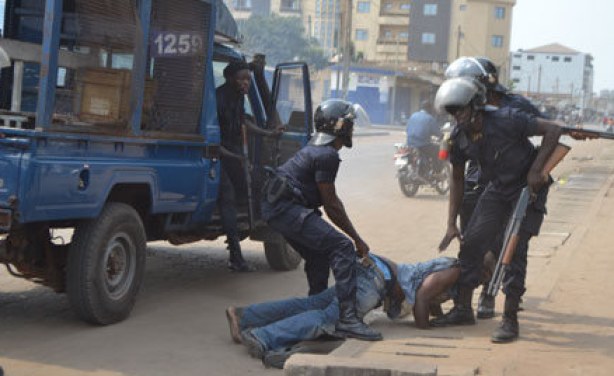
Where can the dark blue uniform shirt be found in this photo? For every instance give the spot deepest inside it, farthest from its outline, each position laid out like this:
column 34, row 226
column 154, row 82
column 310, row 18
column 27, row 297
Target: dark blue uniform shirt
column 472, row 175
column 308, row 167
column 503, row 149
column 230, row 113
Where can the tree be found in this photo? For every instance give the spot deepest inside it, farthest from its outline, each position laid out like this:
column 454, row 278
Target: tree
column 281, row 39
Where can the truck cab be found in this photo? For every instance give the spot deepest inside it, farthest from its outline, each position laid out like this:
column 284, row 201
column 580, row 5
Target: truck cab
column 109, row 130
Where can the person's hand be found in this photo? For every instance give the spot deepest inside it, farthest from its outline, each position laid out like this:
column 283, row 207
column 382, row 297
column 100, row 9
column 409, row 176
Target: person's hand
column 277, row 132
column 451, row 233
column 258, row 63
column 582, row 136
column 536, row 180
column 362, row 248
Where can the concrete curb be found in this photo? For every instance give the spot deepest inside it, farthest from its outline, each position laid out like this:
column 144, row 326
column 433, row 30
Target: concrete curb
column 324, row 365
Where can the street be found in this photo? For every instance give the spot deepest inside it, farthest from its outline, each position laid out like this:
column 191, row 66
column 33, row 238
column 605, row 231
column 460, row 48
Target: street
column 178, row 326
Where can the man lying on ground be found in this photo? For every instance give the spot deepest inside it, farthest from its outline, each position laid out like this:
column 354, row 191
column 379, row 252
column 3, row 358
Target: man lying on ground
column 271, row 326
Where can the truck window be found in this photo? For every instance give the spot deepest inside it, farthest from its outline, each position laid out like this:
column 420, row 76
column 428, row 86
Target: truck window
column 291, row 100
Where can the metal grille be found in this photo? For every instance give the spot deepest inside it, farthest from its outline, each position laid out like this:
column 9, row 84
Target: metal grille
column 178, row 49
column 108, row 24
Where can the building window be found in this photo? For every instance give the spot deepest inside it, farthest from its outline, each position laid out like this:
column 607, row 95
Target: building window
column 497, row 41
column 500, row 13
column 516, row 80
column 242, row 4
column 462, row 7
column 517, row 56
column 403, row 35
column 387, row 34
column 530, row 57
column 362, row 34
column 290, row 5
column 555, row 58
column 567, row 60
column 387, row 6
column 430, row 9
column 516, row 67
column 405, row 6
column 428, row 38
column 363, row 7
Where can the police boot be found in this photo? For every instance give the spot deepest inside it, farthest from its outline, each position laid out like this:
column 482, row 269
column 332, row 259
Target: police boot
column 508, row 330
column 486, row 305
column 460, row 314
column 236, row 262
column 350, row 326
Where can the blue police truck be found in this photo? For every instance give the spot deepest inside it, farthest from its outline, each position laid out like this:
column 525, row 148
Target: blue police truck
column 108, row 128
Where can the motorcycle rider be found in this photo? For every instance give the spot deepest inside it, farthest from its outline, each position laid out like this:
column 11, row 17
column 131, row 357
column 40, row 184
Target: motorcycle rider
column 291, row 200
column 485, row 71
column 421, row 126
column 498, row 138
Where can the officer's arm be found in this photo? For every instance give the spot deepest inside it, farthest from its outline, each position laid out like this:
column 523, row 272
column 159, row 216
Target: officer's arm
column 551, row 132
column 457, row 186
column 336, row 212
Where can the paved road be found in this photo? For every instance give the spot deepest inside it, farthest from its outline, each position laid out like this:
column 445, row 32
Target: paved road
column 178, row 326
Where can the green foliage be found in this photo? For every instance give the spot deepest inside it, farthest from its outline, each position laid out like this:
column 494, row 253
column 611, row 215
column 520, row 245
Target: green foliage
column 281, row 39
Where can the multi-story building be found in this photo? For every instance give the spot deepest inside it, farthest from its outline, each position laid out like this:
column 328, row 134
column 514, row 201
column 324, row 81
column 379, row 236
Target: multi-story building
column 553, row 71
column 443, row 30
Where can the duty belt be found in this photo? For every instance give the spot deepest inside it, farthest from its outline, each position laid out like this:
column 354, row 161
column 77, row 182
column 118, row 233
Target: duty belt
column 278, row 187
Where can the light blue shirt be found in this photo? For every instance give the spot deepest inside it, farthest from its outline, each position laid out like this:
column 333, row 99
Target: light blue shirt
column 420, row 127
column 411, row 276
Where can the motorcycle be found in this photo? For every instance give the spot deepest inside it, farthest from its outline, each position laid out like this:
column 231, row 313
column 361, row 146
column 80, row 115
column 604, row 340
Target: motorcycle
column 415, row 170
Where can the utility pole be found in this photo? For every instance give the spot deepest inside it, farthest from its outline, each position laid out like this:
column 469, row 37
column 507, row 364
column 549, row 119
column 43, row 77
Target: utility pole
column 539, row 79
column 346, row 26
column 458, row 41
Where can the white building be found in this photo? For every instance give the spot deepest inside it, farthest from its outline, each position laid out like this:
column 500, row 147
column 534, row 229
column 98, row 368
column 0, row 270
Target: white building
column 553, row 71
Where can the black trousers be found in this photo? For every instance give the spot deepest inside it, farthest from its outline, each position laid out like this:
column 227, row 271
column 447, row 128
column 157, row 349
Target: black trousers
column 488, row 221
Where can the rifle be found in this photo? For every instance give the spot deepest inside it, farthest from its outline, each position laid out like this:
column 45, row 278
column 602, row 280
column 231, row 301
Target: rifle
column 510, row 241
column 588, row 133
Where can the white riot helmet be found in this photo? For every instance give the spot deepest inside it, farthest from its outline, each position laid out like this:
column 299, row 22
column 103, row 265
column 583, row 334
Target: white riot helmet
column 459, row 92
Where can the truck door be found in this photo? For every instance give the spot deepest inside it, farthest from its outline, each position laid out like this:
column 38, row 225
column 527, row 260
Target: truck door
column 291, row 98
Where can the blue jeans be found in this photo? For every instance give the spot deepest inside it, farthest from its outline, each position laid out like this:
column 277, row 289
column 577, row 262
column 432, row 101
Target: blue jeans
column 283, row 323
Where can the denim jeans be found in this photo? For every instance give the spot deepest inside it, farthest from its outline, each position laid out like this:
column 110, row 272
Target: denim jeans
column 283, row 323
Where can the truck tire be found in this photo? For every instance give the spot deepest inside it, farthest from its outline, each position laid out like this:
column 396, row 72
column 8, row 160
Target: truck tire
column 105, row 265
column 280, row 255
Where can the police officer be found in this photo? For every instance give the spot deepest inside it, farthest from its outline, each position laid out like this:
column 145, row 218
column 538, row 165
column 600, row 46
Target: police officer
column 485, row 71
column 233, row 185
column 498, row 138
column 290, row 206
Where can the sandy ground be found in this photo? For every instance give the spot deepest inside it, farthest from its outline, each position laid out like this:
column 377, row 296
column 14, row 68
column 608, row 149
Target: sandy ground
column 178, row 326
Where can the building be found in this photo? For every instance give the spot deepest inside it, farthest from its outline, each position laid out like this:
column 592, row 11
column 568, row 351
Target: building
column 320, row 18
column 553, row 71
column 442, row 30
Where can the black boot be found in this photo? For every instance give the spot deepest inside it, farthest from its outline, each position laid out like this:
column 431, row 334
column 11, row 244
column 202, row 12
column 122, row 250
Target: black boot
column 508, row 330
column 486, row 305
column 350, row 326
column 236, row 262
column 460, row 314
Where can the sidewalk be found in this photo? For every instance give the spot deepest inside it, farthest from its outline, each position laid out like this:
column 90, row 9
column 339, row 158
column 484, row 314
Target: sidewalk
column 567, row 327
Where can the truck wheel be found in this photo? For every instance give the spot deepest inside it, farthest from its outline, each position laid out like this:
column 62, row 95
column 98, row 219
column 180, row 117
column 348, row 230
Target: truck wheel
column 105, row 266
column 280, row 255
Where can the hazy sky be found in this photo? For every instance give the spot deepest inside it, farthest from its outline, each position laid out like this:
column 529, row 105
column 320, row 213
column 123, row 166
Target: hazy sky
column 584, row 25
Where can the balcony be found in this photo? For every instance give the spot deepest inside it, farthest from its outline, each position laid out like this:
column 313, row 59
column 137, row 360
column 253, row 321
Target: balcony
column 393, row 20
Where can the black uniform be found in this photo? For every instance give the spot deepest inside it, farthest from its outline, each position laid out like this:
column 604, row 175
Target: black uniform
column 474, row 181
column 504, row 155
column 296, row 216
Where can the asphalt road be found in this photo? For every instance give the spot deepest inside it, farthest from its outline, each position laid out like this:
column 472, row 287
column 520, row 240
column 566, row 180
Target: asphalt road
column 178, row 325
